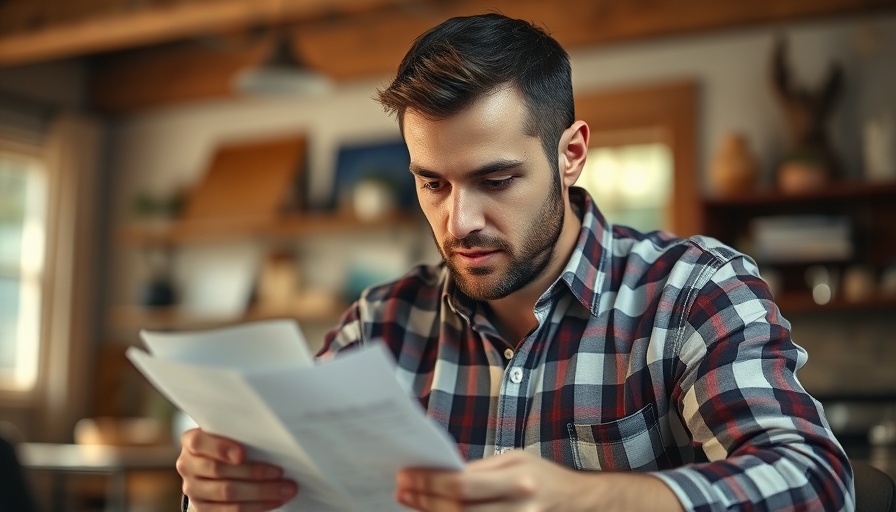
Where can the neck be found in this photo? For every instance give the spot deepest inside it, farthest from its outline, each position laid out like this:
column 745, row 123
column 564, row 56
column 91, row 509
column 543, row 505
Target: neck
column 515, row 313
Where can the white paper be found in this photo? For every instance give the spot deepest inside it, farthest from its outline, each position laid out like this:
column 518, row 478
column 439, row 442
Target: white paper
column 341, row 429
column 241, row 347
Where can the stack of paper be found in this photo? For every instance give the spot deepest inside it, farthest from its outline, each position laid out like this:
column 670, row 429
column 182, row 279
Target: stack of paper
column 802, row 238
column 341, row 429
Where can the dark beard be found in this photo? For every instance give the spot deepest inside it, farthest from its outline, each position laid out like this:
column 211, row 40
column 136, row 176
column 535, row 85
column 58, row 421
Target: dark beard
column 534, row 256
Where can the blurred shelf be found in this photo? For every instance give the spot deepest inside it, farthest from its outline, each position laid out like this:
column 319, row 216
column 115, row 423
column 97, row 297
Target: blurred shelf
column 209, row 231
column 840, row 192
column 803, row 303
column 868, row 208
column 135, row 318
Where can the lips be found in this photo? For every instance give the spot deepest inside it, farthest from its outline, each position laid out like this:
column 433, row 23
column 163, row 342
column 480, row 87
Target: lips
column 476, row 257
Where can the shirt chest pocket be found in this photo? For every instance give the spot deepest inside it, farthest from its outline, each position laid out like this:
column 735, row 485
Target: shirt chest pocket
column 631, row 443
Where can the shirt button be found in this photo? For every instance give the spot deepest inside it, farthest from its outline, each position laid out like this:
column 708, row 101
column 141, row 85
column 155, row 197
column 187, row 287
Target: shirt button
column 508, row 354
column 516, row 375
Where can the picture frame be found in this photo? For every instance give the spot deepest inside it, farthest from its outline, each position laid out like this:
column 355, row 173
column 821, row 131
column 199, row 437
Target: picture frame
column 387, row 161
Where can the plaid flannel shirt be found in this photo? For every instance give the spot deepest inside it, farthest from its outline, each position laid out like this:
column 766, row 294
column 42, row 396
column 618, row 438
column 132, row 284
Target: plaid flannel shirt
column 652, row 353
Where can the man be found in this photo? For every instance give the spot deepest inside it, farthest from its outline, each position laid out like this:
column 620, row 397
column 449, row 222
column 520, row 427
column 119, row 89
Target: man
column 578, row 365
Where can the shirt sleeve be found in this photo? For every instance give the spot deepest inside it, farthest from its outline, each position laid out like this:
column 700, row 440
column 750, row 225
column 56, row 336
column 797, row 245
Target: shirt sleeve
column 346, row 334
column 767, row 443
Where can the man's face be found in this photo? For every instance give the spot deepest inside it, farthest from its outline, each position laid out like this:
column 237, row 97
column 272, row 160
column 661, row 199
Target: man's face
column 491, row 197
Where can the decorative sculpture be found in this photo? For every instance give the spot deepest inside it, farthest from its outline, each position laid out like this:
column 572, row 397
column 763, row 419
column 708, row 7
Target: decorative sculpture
column 810, row 161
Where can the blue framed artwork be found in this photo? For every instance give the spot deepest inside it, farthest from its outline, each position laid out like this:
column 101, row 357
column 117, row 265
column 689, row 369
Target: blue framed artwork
column 386, row 161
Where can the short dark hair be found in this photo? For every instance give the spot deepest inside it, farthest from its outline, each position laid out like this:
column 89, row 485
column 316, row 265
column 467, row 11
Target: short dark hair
column 453, row 64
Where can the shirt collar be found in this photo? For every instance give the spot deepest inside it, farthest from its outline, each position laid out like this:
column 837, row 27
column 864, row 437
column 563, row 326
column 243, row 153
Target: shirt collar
column 585, row 272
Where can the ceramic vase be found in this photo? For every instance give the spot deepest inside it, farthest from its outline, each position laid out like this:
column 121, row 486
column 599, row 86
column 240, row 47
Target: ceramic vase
column 734, row 168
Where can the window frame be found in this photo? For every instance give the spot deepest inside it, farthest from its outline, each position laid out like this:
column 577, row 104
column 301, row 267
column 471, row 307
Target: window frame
column 28, row 396
column 72, row 148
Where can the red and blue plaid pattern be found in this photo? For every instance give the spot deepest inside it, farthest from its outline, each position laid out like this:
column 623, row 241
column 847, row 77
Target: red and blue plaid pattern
column 652, row 353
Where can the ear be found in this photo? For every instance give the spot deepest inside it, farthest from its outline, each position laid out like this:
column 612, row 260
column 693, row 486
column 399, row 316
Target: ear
column 572, row 151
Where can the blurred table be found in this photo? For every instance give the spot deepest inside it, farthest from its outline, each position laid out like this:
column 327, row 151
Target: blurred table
column 115, row 461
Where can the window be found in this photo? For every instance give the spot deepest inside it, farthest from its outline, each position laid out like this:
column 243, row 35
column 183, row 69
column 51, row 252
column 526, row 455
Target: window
column 628, row 122
column 22, row 237
column 631, row 184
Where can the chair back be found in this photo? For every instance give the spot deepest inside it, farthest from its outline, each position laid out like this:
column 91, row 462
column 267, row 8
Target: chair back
column 875, row 490
column 15, row 493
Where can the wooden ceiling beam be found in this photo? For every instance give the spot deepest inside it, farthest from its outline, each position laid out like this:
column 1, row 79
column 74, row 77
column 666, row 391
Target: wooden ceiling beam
column 175, row 74
column 372, row 43
column 375, row 43
column 170, row 22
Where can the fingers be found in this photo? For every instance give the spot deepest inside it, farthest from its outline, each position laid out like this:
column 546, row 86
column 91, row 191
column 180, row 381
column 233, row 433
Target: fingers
column 189, row 465
column 199, row 442
column 209, row 456
column 427, row 502
column 434, row 503
column 210, row 493
column 508, row 476
column 229, row 507
column 216, row 476
column 467, row 486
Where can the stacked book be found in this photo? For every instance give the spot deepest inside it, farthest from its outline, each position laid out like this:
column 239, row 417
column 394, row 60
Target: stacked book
column 802, row 238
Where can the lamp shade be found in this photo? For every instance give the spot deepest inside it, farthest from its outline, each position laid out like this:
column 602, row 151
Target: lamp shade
column 281, row 74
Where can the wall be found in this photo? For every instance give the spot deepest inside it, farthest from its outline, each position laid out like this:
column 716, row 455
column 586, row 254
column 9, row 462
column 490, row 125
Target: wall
column 159, row 151
column 732, row 68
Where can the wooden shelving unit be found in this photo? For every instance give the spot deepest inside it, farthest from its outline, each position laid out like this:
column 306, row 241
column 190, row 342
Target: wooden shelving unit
column 870, row 207
column 840, row 192
column 291, row 226
column 180, row 234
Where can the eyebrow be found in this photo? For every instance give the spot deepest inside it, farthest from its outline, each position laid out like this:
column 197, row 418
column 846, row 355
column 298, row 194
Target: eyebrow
column 485, row 170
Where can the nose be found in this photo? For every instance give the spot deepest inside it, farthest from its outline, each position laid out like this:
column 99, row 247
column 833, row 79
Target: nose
column 465, row 214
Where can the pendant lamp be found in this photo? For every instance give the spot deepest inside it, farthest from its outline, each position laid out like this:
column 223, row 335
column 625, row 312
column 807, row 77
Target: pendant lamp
column 281, row 73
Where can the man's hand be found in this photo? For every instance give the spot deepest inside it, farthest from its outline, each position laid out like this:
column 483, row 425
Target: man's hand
column 519, row 481
column 217, row 476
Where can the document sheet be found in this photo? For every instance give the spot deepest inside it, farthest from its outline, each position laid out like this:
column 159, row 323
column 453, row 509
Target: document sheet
column 341, row 428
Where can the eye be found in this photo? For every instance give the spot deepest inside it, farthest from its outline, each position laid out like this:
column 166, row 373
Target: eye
column 499, row 184
column 432, row 186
